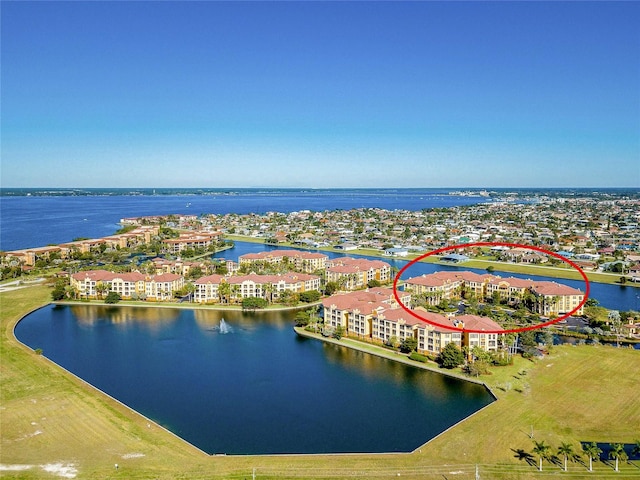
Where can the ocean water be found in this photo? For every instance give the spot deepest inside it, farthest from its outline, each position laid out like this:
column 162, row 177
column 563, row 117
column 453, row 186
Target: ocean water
column 38, row 220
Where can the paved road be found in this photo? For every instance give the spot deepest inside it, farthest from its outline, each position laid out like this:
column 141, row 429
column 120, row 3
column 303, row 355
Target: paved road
column 16, row 284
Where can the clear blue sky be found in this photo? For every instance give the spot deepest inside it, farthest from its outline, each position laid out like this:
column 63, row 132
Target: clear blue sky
column 320, row 94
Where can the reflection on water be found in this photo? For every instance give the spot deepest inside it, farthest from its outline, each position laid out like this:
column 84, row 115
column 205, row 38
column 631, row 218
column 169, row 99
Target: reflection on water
column 261, row 389
column 155, row 317
column 210, row 319
column 432, row 385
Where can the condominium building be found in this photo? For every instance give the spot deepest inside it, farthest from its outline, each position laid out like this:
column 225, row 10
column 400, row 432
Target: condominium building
column 207, row 288
column 355, row 273
column 301, row 261
column 136, row 285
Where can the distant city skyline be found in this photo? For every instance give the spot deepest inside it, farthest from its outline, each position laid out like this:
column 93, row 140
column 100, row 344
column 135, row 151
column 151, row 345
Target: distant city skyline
column 320, row 94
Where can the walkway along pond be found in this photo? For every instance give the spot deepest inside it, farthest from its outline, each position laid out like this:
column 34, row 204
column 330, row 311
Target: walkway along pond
column 258, row 389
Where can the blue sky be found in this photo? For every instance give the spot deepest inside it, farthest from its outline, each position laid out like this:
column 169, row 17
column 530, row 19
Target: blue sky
column 320, row 94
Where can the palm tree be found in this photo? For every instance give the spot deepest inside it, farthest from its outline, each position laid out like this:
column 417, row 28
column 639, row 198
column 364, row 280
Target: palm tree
column 567, row 450
column 268, row 289
column 554, row 304
column 542, row 449
column 235, row 291
column 224, row 289
column 101, row 289
column 592, row 452
column 617, row 452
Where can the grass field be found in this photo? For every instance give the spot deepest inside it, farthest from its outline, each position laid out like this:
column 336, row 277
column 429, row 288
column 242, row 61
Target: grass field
column 49, row 418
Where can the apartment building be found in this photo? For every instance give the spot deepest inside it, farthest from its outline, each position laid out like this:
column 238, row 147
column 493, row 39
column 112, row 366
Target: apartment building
column 356, row 273
column 307, row 262
column 207, row 288
column 97, row 283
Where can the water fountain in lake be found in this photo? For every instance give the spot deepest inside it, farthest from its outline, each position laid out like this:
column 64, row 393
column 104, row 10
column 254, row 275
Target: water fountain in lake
column 224, row 328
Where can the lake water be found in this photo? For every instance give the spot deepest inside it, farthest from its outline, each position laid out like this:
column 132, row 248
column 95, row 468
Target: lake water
column 258, row 389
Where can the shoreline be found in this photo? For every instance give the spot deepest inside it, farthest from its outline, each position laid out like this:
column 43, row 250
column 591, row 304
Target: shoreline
column 384, row 353
column 131, row 411
column 184, row 306
column 299, row 331
column 117, row 431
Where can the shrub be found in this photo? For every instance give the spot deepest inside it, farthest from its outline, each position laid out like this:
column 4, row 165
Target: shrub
column 451, row 356
column 112, row 297
column 252, row 303
column 302, row 319
column 58, row 293
column 408, row 345
column 418, row 358
column 310, row 296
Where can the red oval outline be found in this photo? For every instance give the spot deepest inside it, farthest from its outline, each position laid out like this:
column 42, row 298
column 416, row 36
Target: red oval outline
column 487, row 244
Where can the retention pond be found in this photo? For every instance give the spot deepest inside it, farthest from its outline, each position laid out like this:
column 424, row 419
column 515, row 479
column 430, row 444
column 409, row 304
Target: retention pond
column 252, row 386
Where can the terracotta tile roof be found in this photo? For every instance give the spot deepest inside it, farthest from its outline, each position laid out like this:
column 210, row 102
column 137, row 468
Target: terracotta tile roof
column 360, row 263
column 281, row 254
column 166, row 277
column 209, row 279
column 475, row 322
column 105, row 276
column 397, row 314
column 513, row 282
column 290, row 277
column 442, row 323
column 553, row 288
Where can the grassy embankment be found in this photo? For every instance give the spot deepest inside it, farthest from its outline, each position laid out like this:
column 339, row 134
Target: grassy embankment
column 576, row 394
column 565, row 271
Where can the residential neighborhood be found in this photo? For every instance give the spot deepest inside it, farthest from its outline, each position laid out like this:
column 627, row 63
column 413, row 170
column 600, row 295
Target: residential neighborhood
column 168, row 258
column 598, row 233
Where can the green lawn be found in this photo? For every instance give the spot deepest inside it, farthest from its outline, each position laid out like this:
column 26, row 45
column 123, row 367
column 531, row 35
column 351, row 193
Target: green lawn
column 577, row 393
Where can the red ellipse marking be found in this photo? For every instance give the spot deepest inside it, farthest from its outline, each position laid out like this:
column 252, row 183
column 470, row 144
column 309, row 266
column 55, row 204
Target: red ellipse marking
column 491, row 244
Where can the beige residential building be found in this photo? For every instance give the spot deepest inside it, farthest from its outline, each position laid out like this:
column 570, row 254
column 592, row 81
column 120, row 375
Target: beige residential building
column 355, row 311
column 97, row 283
column 487, row 341
column 373, row 316
column 207, row 289
column 436, row 332
column 557, row 299
column 192, row 240
column 510, row 289
column 307, row 262
column 356, row 273
column 551, row 297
